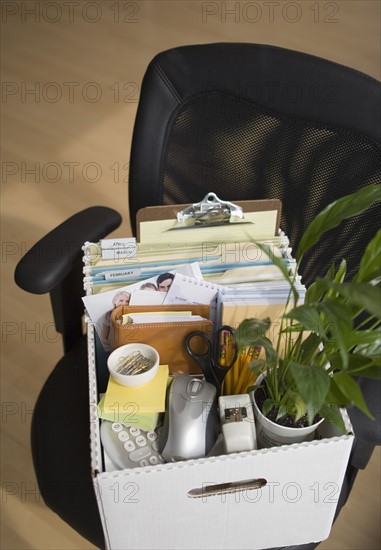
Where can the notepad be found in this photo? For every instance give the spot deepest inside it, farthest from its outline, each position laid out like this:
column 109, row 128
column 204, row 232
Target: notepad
column 149, row 398
column 129, row 416
column 164, row 315
column 151, row 319
column 190, row 290
column 147, row 297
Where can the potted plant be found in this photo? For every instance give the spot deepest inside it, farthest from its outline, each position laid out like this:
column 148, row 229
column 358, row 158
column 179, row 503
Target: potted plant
column 324, row 344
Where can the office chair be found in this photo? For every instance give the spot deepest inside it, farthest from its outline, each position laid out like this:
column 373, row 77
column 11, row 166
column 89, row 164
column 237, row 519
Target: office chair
column 246, row 121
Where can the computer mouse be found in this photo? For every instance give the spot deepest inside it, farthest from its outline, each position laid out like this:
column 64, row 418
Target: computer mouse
column 191, row 421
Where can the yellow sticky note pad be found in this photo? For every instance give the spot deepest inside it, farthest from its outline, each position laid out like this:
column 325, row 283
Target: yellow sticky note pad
column 149, row 398
column 129, row 416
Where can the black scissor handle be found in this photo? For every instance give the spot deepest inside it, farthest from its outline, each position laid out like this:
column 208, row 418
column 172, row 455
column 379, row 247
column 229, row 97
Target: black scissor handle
column 204, row 360
column 204, row 338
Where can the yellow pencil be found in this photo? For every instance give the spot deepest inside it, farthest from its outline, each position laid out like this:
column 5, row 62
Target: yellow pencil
column 230, row 377
column 251, row 378
column 246, row 359
column 247, row 382
column 247, row 377
column 226, row 382
column 230, row 350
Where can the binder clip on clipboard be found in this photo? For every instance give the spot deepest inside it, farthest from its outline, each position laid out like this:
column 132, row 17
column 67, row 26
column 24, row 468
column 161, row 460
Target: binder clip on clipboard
column 209, row 212
column 210, row 219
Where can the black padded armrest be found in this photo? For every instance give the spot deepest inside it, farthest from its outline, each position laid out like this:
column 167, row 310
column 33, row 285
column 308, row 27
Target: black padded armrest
column 51, row 259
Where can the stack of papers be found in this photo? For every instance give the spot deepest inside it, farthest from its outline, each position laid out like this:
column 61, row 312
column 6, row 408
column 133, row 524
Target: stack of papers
column 207, row 260
column 226, row 269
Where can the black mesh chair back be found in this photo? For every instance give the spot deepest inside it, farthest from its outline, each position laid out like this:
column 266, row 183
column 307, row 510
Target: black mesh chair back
column 251, row 121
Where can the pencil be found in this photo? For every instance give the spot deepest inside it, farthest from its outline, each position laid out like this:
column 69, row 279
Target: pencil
column 229, row 346
column 243, row 369
column 252, row 375
column 247, row 377
column 247, row 382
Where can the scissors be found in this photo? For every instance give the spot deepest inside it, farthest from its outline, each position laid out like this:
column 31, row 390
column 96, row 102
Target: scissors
column 215, row 362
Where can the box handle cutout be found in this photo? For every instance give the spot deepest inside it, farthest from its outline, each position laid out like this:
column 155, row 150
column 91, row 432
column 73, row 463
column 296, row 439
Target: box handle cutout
column 223, row 488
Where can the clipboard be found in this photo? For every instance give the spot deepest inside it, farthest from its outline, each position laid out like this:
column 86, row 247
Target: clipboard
column 164, row 220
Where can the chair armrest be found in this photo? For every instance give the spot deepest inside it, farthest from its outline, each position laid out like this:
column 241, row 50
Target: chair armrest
column 51, row 259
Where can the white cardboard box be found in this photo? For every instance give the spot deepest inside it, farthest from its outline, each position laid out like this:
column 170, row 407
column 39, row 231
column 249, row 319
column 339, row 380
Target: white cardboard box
column 149, row 507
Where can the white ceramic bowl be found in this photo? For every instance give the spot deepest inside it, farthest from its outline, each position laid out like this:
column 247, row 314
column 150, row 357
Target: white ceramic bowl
column 129, row 350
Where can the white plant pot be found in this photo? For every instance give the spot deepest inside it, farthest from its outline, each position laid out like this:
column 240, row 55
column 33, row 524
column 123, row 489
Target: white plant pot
column 271, row 434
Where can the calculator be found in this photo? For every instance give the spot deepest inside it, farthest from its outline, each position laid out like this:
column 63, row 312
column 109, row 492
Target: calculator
column 128, row 446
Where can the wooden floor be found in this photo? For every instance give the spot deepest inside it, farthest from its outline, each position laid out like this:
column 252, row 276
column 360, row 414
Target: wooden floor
column 71, row 77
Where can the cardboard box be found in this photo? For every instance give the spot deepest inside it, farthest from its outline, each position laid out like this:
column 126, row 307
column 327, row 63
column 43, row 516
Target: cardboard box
column 149, row 507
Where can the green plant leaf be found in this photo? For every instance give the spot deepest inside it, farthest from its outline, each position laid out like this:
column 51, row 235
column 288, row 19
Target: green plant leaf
column 373, row 372
column 314, row 293
column 317, row 289
column 308, row 316
column 282, row 411
column 355, row 361
column 309, row 347
column 257, row 366
column 369, row 348
column 335, row 396
column 341, row 272
column 368, row 344
column 289, row 329
column 370, row 264
column 371, row 351
column 362, row 295
column 330, row 275
column 312, row 382
column 249, row 331
column 367, row 338
column 332, row 414
column 281, row 264
column 271, row 354
column 295, row 404
column 267, row 406
column 336, row 212
column 359, row 365
column 339, row 325
column 351, row 390
column 311, row 414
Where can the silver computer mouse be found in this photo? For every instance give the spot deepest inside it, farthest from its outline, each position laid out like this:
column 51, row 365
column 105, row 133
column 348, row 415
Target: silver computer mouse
column 191, row 423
